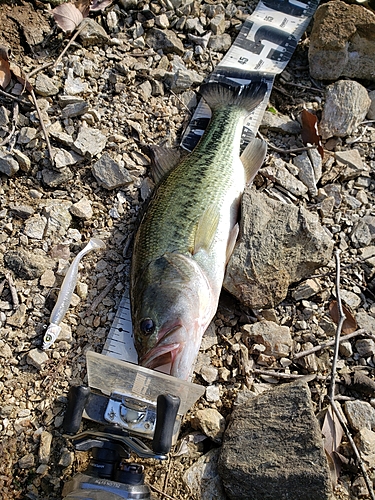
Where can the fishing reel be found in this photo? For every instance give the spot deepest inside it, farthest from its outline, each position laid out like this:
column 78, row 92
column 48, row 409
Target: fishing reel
column 130, row 402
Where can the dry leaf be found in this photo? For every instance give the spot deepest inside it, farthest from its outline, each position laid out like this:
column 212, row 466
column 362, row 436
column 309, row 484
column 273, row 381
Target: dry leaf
column 67, row 16
column 350, row 324
column 5, row 74
column 333, row 433
column 83, row 6
column 100, row 4
column 309, row 132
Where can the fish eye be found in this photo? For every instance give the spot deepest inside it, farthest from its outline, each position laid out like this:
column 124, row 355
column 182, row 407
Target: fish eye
column 147, row 326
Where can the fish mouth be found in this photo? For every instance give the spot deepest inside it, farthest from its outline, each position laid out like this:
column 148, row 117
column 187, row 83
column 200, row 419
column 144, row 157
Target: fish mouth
column 167, row 349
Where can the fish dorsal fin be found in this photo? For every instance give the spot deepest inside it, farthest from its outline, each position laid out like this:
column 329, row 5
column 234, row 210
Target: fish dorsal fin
column 164, row 160
column 253, row 158
column 206, row 229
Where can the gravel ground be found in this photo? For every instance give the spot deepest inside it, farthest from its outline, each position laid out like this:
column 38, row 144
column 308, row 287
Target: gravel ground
column 123, row 97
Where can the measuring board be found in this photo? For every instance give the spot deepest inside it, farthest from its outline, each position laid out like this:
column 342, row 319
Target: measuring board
column 261, row 50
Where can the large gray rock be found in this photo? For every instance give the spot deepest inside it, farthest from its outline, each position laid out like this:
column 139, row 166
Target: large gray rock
column 273, row 448
column 342, row 42
column 347, row 104
column 279, row 244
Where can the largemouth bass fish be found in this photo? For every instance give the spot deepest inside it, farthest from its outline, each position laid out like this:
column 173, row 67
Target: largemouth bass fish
column 188, row 233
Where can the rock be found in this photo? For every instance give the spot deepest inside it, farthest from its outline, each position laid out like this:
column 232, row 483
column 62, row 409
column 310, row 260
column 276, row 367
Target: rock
column 363, row 232
column 37, row 358
column 67, row 458
column 82, row 209
column 8, row 164
column 342, row 42
column 27, row 461
column 26, row 135
column 209, row 373
column 277, row 172
column 212, row 393
column 346, row 349
column 279, row 244
column 47, row 279
column 217, row 24
column 276, row 339
column 89, row 142
column 164, row 40
column 93, row 34
column 210, row 422
column 360, row 415
column 74, row 86
column 365, row 440
column 220, row 43
column 58, row 218
column 18, row 318
column 209, row 338
column 21, row 211
column 109, row 174
column 306, row 172
column 44, row 86
column 35, row 227
column 63, row 158
column 365, row 321
column 346, row 106
column 74, row 109
column 45, row 447
column 54, row 179
column 23, row 160
column 202, row 477
column 273, row 449
column 365, row 347
column 280, row 123
column 306, row 289
column 26, row 265
column 180, row 78
column 371, row 111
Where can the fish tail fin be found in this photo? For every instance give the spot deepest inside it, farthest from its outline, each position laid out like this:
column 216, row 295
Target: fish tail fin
column 223, row 94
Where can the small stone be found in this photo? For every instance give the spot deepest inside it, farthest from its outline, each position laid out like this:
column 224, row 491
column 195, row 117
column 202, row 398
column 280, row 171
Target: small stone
column 109, row 174
column 360, row 415
column 27, row 461
column 346, row 349
column 54, row 179
column 63, row 158
column 210, row 422
column 162, row 21
column 26, row 135
column 42, row 469
column 164, row 40
column 365, row 440
column 26, row 265
column 365, row 347
column 202, row 477
column 44, row 86
column 47, row 279
column 209, row 373
column 74, row 86
column 66, row 458
column 8, row 164
column 45, row 447
column 217, row 24
column 306, row 172
column 209, row 338
column 371, row 111
column 275, row 338
column 65, row 334
column 306, row 289
column 82, row 209
column 35, row 227
column 18, row 318
column 280, row 123
column 220, row 43
column 24, row 161
column 93, row 34
column 58, row 218
column 37, row 358
column 278, row 173
column 212, row 393
column 75, row 109
column 89, row 142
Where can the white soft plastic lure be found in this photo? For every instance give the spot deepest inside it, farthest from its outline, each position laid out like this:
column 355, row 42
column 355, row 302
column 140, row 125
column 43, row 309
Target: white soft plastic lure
column 65, row 295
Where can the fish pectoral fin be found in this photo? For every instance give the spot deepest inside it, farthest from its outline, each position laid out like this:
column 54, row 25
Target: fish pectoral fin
column 253, row 158
column 164, row 160
column 206, row 229
column 233, row 235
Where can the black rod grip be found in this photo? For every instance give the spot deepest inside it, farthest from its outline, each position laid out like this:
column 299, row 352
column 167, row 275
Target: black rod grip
column 166, row 412
column 77, row 399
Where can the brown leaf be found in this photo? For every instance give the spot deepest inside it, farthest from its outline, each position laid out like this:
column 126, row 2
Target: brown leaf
column 350, row 324
column 5, row 73
column 100, row 4
column 333, row 433
column 309, row 132
column 17, row 72
column 83, row 6
column 67, row 16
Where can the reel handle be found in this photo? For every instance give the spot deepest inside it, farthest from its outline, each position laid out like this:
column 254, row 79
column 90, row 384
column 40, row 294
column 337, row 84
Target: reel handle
column 166, row 413
column 77, row 399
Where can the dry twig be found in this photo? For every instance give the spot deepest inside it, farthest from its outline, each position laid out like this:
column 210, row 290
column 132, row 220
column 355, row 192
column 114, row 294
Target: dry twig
column 161, row 492
column 46, row 136
column 331, row 394
column 100, row 297
column 13, row 291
